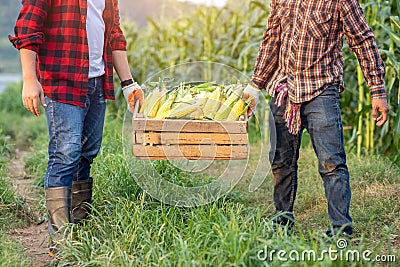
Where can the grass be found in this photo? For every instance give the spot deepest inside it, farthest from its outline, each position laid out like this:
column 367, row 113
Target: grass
column 17, row 131
column 12, row 213
column 16, row 122
column 10, row 253
column 128, row 227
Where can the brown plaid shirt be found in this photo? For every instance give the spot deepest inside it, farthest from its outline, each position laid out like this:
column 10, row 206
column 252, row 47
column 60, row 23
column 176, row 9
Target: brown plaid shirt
column 303, row 46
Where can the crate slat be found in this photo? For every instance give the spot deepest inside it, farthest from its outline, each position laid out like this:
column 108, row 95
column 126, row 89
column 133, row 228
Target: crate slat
column 189, row 126
column 185, row 158
column 237, row 152
column 169, row 138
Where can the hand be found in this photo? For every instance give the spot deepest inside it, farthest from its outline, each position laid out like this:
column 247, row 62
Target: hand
column 380, row 105
column 32, row 92
column 132, row 94
column 251, row 92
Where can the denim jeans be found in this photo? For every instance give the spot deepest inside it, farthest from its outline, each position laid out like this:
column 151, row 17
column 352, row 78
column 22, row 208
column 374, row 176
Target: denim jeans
column 75, row 136
column 321, row 117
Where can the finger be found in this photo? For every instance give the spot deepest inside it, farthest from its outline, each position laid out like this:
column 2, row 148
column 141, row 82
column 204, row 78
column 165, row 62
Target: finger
column 30, row 106
column 249, row 112
column 131, row 106
column 24, row 102
column 42, row 99
column 382, row 118
column 36, row 110
column 379, row 121
column 374, row 112
column 139, row 96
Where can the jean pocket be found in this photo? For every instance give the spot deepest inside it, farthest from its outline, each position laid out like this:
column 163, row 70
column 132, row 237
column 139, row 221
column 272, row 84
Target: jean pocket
column 101, row 96
column 48, row 101
column 330, row 92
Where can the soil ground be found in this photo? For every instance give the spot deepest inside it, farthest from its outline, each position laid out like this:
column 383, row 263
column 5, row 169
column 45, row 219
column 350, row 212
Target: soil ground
column 33, row 237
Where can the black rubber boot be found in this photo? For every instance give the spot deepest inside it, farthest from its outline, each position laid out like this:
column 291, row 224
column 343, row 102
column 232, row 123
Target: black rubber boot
column 58, row 203
column 81, row 199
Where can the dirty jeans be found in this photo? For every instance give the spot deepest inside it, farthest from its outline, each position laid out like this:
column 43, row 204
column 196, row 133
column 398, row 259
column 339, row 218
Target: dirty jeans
column 75, row 136
column 321, row 117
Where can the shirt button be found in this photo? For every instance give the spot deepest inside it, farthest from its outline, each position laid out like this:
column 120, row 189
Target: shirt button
column 295, row 36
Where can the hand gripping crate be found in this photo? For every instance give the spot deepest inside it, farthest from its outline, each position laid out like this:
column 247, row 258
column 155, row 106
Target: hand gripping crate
column 176, row 139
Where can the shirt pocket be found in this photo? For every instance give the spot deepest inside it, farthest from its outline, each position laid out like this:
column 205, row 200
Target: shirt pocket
column 319, row 24
column 286, row 20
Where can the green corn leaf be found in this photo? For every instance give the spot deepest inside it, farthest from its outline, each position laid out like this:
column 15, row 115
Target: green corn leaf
column 396, row 130
column 395, row 36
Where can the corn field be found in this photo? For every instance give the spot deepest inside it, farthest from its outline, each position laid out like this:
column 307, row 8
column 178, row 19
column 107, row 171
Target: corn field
column 231, row 36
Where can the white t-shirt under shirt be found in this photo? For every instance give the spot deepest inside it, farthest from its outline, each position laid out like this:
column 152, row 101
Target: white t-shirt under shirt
column 95, row 33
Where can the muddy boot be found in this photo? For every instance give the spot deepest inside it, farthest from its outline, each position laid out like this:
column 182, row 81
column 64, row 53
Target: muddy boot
column 81, row 199
column 58, row 203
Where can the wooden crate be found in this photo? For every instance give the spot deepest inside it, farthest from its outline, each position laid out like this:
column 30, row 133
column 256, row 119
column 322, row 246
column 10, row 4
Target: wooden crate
column 159, row 139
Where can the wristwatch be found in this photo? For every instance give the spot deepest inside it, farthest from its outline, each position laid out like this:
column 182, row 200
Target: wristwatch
column 126, row 82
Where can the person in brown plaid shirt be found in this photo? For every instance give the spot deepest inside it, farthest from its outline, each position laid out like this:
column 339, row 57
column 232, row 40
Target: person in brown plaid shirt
column 300, row 64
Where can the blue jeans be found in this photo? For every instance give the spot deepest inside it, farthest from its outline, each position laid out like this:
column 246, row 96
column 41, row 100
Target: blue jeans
column 321, row 117
column 75, row 136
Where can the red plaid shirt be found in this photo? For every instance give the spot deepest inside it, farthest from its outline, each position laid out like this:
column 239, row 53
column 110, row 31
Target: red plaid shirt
column 56, row 30
column 303, row 46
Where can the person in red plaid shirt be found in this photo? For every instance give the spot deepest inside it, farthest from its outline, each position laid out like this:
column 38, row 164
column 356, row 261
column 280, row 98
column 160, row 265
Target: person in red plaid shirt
column 300, row 64
column 68, row 50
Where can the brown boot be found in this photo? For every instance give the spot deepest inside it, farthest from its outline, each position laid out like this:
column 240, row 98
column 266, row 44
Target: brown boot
column 58, row 203
column 81, row 199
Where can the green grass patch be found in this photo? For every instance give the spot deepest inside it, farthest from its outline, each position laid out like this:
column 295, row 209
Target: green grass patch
column 16, row 122
column 11, row 253
column 130, row 228
column 12, row 212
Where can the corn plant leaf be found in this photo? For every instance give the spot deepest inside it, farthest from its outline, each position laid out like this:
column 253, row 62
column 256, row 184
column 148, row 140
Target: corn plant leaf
column 260, row 5
column 395, row 36
column 395, row 21
column 396, row 130
column 398, row 7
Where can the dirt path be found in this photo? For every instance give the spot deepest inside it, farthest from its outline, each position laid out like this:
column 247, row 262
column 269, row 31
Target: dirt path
column 33, row 237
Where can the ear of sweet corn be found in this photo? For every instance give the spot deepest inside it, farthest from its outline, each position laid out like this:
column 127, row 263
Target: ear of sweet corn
column 152, row 108
column 197, row 114
column 165, row 108
column 182, row 111
column 222, row 113
column 202, row 103
column 225, row 109
column 213, row 103
column 149, row 102
column 182, row 98
column 237, row 110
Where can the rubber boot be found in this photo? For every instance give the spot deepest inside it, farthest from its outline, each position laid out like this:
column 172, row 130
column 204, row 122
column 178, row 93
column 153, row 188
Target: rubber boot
column 81, row 199
column 58, row 203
